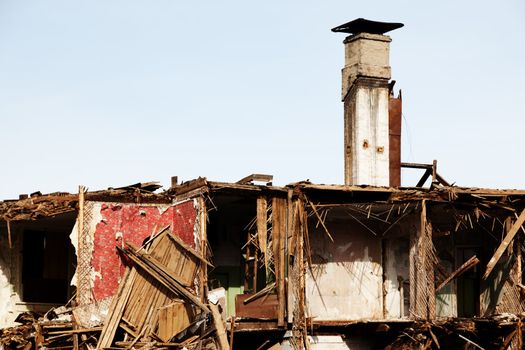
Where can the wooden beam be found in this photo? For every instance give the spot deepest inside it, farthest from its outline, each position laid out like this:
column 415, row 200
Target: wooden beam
column 279, row 238
column 188, row 249
column 321, row 221
column 203, row 277
column 504, row 244
column 262, row 227
column 255, row 177
column 416, row 165
column 159, row 273
column 470, row 263
column 219, row 326
column 424, row 178
column 116, row 309
column 81, row 294
column 10, row 240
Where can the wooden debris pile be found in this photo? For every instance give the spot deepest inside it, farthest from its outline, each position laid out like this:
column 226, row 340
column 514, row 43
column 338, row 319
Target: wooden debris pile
column 38, row 205
column 157, row 305
column 49, row 331
column 503, row 331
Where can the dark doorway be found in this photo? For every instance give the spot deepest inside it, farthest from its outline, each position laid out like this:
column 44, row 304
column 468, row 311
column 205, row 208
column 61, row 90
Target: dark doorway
column 45, row 266
column 468, row 289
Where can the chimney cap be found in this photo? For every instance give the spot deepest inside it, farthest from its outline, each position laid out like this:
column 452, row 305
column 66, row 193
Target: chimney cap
column 362, row 25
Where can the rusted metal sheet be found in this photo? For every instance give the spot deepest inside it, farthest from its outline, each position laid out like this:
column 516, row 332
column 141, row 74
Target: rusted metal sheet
column 264, row 307
column 394, row 127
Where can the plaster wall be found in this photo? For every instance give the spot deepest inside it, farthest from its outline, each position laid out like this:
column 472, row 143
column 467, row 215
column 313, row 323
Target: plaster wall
column 397, row 274
column 367, row 160
column 345, row 282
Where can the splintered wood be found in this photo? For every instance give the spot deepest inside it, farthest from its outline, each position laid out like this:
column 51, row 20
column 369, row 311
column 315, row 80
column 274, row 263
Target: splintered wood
column 155, row 300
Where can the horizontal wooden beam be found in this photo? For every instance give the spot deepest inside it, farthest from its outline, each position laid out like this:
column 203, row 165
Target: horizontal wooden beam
column 255, row 177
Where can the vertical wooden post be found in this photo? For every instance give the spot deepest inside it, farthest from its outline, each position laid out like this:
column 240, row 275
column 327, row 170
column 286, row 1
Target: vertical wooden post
column 9, row 239
column 413, row 274
column 384, row 257
column 80, row 242
column 299, row 259
column 203, row 272
column 279, row 238
column 519, row 276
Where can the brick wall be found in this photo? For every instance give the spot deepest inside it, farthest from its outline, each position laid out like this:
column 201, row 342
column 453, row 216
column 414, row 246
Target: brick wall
column 133, row 223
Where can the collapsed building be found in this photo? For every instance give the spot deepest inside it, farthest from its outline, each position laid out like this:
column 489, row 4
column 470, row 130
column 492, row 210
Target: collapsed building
column 204, row 264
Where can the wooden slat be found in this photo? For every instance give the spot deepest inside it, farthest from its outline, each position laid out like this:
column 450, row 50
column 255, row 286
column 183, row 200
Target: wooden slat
column 279, row 237
column 255, row 177
column 203, row 239
column 188, row 249
column 470, row 263
column 262, row 227
column 219, row 326
column 116, row 310
column 162, row 277
column 504, row 244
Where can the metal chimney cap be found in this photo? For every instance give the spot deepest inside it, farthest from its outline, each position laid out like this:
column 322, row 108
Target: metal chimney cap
column 362, row 25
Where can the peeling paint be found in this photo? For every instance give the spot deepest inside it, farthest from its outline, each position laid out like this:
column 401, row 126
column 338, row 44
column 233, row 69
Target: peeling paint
column 345, row 282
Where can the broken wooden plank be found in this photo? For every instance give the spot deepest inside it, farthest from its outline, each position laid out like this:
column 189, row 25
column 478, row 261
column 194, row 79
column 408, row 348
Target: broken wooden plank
column 279, row 242
column 9, row 239
column 76, row 331
column 188, row 249
column 424, row 178
column 262, row 227
column 320, row 219
column 470, row 263
column 159, row 273
column 260, row 293
column 116, row 310
column 203, row 239
column 471, row 342
column 255, row 177
column 504, row 244
column 219, row 326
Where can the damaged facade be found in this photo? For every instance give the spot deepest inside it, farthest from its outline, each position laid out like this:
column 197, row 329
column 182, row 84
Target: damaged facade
column 210, row 265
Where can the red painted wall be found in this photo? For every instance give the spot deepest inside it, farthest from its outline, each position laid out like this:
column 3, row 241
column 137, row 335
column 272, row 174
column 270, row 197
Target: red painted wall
column 132, row 223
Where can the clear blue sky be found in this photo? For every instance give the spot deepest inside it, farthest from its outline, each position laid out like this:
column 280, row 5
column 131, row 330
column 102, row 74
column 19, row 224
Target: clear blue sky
column 108, row 93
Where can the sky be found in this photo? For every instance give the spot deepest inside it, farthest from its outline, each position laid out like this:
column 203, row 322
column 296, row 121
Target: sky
column 106, row 93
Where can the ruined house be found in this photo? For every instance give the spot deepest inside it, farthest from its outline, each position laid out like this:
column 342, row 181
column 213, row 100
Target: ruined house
column 364, row 265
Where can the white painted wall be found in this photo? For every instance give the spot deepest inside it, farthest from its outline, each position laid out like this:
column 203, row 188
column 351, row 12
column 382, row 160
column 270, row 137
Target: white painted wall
column 346, row 280
column 397, row 265
column 370, row 152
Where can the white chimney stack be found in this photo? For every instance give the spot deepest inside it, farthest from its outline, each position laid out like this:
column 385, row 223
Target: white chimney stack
column 365, row 94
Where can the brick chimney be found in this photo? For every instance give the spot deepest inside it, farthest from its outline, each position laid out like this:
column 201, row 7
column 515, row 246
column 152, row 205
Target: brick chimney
column 366, row 94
